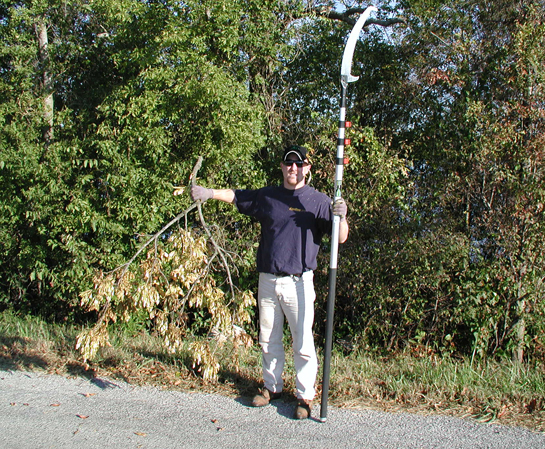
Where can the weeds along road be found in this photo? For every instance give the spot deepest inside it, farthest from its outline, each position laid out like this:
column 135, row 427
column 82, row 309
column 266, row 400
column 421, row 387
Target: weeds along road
column 39, row 410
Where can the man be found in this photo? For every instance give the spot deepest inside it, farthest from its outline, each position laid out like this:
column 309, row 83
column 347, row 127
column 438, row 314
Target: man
column 293, row 219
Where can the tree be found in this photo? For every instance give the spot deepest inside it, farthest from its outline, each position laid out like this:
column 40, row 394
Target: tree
column 471, row 130
column 136, row 100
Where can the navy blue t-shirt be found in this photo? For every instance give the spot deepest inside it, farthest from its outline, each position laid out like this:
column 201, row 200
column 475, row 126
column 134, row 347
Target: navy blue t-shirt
column 293, row 223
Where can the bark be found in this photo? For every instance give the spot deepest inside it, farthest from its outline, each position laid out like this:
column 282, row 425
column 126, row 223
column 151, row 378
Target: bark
column 46, row 81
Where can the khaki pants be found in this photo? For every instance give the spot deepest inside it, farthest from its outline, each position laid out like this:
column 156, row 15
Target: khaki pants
column 291, row 297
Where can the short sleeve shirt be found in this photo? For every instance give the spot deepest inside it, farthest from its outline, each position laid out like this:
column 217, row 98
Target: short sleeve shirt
column 293, row 223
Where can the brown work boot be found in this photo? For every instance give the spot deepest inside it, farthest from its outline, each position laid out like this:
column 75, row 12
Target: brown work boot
column 264, row 396
column 304, row 406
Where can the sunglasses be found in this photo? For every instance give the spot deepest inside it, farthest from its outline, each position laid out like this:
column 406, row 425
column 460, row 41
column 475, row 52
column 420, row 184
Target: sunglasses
column 299, row 164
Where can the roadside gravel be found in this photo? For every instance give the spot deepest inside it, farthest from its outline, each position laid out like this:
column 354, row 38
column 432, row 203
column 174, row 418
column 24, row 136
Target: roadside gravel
column 40, row 410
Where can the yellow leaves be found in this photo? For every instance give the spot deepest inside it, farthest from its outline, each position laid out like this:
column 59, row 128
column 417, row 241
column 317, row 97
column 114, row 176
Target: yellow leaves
column 172, row 283
column 89, row 301
column 244, row 305
column 184, row 276
column 206, row 295
column 161, row 322
column 146, row 298
column 172, row 338
column 104, row 286
column 88, row 341
column 103, row 292
column 204, row 361
column 244, row 339
column 124, row 285
column 174, row 291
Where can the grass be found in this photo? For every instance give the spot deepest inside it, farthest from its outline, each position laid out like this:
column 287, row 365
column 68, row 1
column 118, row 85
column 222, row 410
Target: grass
column 488, row 391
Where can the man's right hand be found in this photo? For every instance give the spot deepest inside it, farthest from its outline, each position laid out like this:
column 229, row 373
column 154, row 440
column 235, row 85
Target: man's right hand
column 340, row 208
column 201, row 194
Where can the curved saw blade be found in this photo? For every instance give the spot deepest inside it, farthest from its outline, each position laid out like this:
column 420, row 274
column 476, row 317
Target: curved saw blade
column 348, row 54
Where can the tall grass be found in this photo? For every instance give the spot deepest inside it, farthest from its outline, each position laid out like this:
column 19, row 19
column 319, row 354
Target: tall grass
column 486, row 390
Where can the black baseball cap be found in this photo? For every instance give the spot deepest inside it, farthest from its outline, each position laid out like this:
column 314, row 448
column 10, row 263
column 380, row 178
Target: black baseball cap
column 300, row 152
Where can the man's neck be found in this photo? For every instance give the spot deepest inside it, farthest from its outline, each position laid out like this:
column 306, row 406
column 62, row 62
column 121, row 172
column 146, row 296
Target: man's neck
column 294, row 187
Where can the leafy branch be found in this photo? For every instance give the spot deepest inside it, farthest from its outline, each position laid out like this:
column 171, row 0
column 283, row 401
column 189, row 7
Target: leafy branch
column 176, row 276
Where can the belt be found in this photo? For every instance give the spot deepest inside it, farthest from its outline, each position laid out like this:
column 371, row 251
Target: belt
column 282, row 274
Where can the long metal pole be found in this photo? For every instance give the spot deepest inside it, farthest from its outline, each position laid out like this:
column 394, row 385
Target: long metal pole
column 346, row 78
column 339, row 167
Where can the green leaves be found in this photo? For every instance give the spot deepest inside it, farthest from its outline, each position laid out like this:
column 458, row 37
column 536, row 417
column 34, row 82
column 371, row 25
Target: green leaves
column 135, row 106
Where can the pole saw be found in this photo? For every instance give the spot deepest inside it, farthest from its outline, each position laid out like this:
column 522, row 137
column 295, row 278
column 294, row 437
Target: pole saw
column 346, row 78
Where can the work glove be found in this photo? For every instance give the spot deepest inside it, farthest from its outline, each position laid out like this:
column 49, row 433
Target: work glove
column 340, row 208
column 201, row 194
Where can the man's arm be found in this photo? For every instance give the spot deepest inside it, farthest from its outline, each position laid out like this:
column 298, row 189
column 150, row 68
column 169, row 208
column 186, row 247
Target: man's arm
column 225, row 195
column 343, row 230
column 203, row 194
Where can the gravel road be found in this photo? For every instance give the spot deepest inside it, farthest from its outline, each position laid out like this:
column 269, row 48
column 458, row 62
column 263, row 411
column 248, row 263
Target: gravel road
column 39, row 410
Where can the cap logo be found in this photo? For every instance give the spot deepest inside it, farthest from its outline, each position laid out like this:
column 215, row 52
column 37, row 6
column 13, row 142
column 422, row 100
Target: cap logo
column 300, row 152
column 293, row 152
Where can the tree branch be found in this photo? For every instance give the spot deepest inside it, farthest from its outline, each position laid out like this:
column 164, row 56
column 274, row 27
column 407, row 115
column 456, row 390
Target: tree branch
column 346, row 17
column 218, row 249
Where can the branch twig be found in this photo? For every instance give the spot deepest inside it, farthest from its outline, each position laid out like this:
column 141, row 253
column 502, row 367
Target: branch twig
column 217, row 248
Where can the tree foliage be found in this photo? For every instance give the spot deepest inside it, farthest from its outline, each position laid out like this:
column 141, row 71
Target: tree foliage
column 138, row 98
column 457, row 260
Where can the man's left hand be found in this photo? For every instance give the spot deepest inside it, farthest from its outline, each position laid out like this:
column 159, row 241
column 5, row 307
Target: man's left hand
column 340, row 208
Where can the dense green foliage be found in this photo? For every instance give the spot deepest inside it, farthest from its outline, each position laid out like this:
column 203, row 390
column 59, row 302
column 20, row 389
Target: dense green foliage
column 138, row 98
column 445, row 184
column 454, row 251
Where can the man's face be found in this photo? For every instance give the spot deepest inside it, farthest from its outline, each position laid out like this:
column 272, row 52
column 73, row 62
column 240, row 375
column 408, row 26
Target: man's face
column 294, row 171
